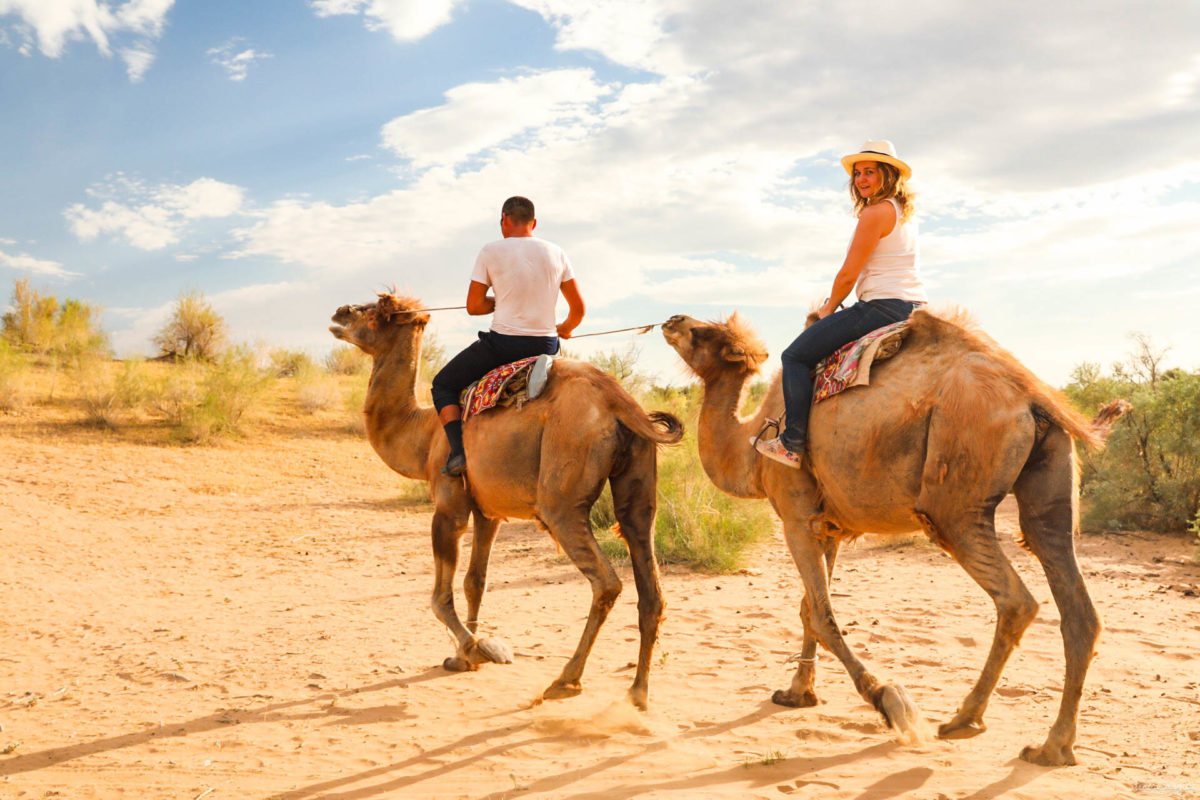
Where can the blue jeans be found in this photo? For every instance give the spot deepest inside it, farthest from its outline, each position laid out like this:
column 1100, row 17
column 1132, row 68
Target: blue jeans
column 819, row 340
column 491, row 350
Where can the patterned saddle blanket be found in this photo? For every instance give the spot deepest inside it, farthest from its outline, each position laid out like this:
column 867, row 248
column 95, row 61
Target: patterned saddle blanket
column 510, row 384
column 850, row 365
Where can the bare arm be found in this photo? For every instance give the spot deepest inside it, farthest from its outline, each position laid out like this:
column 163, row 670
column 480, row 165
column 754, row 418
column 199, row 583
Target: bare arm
column 478, row 302
column 570, row 290
column 874, row 223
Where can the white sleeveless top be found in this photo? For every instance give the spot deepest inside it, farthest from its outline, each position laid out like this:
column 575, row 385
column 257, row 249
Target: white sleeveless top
column 893, row 270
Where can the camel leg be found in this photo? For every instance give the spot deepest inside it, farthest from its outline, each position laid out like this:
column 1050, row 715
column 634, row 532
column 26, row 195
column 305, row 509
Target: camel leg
column 801, row 694
column 475, row 581
column 892, row 702
column 448, row 528
column 635, row 501
column 574, row 534
column 972, row 543
column 1046, row 495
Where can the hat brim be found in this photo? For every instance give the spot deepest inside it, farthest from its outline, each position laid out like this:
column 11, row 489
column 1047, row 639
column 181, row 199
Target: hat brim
column 849, row 161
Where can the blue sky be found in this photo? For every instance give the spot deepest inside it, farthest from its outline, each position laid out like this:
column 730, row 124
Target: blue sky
column 289, row 157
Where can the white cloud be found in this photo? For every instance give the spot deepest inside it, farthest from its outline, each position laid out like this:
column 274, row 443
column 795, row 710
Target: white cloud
column 53, row 23
column 405, row 20
column 1051, row 157
column 236, row 61
column 480, row 116
column 23, row 262
column 151, row 218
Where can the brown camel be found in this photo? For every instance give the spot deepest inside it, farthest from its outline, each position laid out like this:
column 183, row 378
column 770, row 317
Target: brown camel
column 546, row 461
column 947, row 428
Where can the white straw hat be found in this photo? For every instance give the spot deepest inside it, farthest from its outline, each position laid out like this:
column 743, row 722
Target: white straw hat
column 877, row 150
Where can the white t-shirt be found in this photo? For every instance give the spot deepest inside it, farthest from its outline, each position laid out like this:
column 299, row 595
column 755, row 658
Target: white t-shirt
column 893, row 270
column 525, row 274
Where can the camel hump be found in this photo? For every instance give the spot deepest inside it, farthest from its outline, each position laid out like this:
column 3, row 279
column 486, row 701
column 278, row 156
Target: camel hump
column 952, row 328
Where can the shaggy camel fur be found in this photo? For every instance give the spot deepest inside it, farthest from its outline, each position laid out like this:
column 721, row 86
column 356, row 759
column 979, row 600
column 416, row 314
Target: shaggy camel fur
column 547, row 461
column 947, row 428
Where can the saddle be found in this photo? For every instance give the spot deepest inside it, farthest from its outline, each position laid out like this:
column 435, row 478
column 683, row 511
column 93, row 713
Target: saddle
column 506, row 385
column 850, row 365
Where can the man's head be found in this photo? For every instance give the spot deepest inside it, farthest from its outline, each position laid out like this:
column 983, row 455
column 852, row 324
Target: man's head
column 516, row 217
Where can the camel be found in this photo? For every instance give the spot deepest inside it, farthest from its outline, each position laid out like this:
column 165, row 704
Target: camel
column 547, row 461
column 947, row 428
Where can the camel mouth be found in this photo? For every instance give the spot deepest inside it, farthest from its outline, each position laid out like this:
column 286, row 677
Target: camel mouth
column 337, row 331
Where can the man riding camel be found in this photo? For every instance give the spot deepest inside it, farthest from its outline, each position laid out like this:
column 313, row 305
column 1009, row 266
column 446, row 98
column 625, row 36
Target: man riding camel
column 526, row 274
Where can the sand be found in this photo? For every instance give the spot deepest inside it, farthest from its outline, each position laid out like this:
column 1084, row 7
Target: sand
column 251, row 620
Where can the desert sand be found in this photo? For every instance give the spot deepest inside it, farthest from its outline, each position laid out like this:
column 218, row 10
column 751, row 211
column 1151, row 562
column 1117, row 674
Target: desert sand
column 251, row 620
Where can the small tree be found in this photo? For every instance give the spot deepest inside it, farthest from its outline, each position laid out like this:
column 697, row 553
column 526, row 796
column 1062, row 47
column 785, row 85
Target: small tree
column 195, row 330
column 30, row 323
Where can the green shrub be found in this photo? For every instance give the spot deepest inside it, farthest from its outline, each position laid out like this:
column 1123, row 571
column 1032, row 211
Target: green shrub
column 697, row 524
column 203, row 401
column 1148, row 477
column 107, row 397
column 14, row 373
column 346, row 359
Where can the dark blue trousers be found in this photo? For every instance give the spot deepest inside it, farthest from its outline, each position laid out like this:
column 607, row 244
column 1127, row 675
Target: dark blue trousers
column 819, row 340
column 491, row 350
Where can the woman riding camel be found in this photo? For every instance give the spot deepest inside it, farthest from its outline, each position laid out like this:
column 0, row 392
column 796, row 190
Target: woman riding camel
column 881, row 266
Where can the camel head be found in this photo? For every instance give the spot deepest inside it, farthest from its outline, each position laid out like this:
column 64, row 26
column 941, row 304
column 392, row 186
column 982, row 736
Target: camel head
column 378, row 327
column 712, row 349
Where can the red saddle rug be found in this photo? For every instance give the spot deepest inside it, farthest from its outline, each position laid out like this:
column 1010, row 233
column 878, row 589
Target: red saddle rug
column 502, row 386
column 850, row 365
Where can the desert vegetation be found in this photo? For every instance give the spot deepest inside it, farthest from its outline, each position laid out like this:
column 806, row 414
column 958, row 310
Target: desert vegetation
column 1149, row 475
column 202, row 389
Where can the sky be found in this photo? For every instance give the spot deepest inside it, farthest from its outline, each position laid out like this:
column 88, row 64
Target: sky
column 286, row 157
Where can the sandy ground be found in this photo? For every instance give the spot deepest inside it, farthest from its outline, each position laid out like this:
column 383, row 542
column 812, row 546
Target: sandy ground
column 251, row 621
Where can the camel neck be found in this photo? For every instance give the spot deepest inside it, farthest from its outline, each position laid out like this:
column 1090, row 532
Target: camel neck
column 399, row 428
column 724, row 437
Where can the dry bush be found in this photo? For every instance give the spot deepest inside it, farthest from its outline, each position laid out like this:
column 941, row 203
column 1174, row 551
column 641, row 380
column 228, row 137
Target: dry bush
column 290, row 363
column 346, row 359
column 195, row 330
column 14, row 374
column 355, row 399
column 316, row 390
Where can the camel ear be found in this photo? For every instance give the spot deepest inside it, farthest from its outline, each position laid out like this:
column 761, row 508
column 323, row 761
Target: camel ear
column 387, row 307
column 739, row 353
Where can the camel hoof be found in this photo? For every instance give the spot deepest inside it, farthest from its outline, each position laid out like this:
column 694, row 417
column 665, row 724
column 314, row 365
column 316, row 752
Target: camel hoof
column 792, row 699
column 1047, row 756
column 960, row 730
column 559, row 691
column 898, row 709
column 639, row 698
column 493, row 650
column 456, row 664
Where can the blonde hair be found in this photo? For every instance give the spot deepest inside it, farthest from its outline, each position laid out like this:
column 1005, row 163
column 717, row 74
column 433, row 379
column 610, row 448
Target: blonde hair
column 892, row 185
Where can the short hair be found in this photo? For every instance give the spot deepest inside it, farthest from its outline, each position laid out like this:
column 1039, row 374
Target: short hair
column 518, row 209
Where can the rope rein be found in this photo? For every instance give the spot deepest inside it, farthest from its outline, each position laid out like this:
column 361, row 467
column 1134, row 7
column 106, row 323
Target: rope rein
column 641, row 329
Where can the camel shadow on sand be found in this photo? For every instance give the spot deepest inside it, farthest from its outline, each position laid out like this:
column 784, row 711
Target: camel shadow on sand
column 275, row 712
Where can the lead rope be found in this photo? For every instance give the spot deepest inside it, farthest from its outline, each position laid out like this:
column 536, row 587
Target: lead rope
column 641, row 329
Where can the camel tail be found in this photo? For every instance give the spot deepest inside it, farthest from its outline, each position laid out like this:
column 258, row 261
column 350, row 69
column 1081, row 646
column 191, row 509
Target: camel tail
column 657, row 426
column 1093, row 433
column 669, row 425
column 1102, row 423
